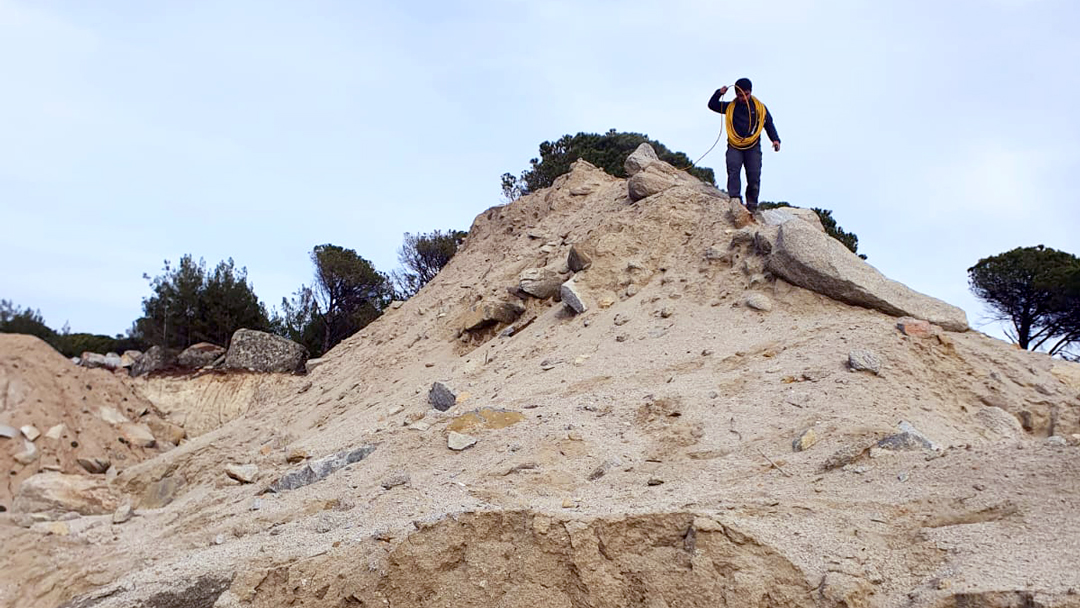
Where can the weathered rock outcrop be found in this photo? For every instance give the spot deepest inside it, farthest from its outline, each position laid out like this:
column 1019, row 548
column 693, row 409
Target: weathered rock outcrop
column 154, row 359
column 812, row 259
column 57, row 493
column 199, row 355
column 485, row 314
column 263, row 352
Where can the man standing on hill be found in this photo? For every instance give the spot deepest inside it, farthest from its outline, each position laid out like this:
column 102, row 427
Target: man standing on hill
column 745, row 118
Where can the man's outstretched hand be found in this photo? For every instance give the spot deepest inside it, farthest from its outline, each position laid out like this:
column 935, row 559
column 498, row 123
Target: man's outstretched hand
column 722, row 90
column 776, row 146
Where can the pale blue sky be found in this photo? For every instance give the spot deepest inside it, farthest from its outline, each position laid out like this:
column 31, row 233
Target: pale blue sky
column 135, row 132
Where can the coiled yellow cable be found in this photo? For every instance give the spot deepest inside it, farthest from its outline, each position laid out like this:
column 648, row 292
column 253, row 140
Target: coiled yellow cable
column 743, row 142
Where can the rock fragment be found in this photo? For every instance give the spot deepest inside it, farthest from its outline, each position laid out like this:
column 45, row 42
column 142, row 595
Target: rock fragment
column 441, row 397
column 909, row 438
column 318, row 469
column 94, row 465
column 28, row 455
column 122, row 513
column 244, row 473
column 138, row 434
column 861, row 359
column 398, row 478
column 804, row 441
column 759, row 301
column 579, row 258
column 916, row 328
column 571, row 297
column 57, row 493
column 458, row 441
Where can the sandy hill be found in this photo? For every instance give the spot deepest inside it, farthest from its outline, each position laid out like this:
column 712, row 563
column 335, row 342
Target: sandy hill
column 91, row 414
column 704, row 433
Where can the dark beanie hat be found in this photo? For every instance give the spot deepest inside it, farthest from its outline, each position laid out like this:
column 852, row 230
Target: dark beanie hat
column 744, row 84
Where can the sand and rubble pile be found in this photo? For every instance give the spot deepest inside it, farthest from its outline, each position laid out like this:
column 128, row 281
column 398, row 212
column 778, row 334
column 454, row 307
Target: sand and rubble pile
column 700, row 432
column 77, row 414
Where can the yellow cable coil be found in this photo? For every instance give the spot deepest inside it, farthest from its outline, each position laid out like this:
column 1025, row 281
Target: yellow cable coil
column 739, row 141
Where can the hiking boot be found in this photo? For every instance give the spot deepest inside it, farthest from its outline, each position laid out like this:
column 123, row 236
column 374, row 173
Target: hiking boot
column 751, row 206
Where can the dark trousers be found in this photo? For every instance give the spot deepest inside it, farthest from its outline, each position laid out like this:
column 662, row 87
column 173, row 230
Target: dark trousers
column 736, row 160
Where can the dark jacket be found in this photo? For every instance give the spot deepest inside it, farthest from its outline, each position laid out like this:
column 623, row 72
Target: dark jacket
column 743, row 116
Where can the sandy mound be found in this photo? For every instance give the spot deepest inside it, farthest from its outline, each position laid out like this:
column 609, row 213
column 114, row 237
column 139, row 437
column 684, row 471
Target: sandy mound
column 637, row 454
column 41, row 388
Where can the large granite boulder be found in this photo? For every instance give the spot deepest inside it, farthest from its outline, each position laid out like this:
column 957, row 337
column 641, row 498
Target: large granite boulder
column 807, row 257
column 653, row 179
column 57, row 494
column 199, row 355
column 263, row 352
column 540, row 283
column 153, row 360
column 640, row 158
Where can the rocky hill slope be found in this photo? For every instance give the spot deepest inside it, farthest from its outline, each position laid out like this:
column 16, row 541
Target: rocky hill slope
column 634, row 408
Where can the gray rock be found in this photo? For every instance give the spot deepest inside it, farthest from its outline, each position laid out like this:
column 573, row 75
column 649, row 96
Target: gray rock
column 92, row 360
column 1000, row 422
column 28, row 455
column 96, row 466
column 112, row 415
column 30, row 432
column 199, row 355
column 113, row 361
column 315, row 470
column 129, row 358
column 154, row 359
column 640, row 158
column 398, row 478
column 324, row 523
column 8, row 432
column 1057, row 441
column 122, row 514
column 263, row 352
column 804, row 441
column 783, row 215
column 811, row 259
column 138, row 434
column 654, row 179
column 166, row 592
column 909, row 438
column 863, row 360
column 457, row 441
column 244, row 473
column 759, row 301
column 161, row 492
column 540, row 282
column 441, row 397
column 579, row 258
column 57, row 493
column 569, row 295
column 738, row 215
column 485, row 314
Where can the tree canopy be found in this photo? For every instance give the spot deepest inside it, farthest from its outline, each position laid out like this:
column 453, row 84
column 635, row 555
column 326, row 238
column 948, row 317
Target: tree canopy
column 422, row 256
column 1037, row 291
column 190, row 305
column 349, row 292
column 607, row 151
